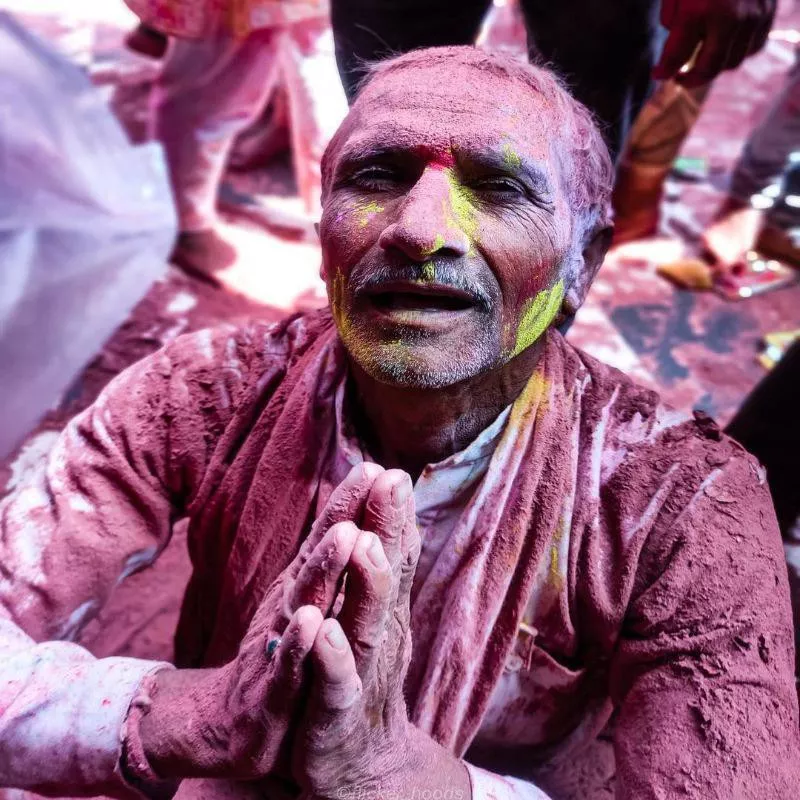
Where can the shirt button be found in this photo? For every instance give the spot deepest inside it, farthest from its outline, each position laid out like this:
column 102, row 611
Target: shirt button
column 514, row 663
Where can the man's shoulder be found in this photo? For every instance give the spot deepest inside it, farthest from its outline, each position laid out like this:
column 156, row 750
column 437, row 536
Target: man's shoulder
column 639, row 430
column 612, row 399
column 248, row 348
column 605, row 381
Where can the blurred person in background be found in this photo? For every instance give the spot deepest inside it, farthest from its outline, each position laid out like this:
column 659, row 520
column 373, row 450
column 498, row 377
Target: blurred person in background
column 657, row 135
column 763, row 202
column 762, row 213
column 608, row 52
column 768, row 425
column 753, row 240
column 221, row 67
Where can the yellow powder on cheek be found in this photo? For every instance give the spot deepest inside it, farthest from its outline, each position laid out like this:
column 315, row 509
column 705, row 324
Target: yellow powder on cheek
column 394, row 354
column 337, row 303
column 366, row 211
column 537, row 315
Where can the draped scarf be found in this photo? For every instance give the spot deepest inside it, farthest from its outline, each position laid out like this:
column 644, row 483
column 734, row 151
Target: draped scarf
column 266, row 481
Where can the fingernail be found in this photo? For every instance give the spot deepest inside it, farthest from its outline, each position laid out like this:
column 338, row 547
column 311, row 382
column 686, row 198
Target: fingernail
column 354, row 476
column 370, row 470
column 375, row 552
column 341, row 535
column 336, row 638
column 401, row 492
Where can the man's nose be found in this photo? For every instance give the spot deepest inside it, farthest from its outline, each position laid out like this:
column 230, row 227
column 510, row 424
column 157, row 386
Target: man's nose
column 426, row 224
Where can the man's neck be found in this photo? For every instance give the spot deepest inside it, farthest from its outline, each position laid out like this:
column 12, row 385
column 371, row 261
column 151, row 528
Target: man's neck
column 410, row 428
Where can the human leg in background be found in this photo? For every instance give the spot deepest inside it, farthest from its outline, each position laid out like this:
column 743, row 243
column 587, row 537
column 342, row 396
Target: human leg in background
column 367, row 30
column 654, row 142
column 770, row 143
column 738, row 225
column 209, row 91
column 605, row 51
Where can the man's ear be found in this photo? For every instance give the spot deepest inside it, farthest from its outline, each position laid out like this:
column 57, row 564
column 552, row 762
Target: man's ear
column 584, row 267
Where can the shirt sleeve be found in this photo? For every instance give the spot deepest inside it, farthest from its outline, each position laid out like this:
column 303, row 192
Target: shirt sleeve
column 703, row 677
column 103, row 508
column 489, row 786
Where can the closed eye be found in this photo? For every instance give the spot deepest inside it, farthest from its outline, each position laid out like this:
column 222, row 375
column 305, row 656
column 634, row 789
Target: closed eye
column 504, row 190
column 499, row 184
column 375, row 177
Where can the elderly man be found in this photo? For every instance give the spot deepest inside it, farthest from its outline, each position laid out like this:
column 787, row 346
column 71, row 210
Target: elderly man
column 437, row 551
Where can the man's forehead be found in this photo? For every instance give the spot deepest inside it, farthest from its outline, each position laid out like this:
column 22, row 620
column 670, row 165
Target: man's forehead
column 454, row 114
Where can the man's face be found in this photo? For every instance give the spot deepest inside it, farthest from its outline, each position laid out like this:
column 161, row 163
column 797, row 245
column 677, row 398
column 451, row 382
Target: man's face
column 446, row 225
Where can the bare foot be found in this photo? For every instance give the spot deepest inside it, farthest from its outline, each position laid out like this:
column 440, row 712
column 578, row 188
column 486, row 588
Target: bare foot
column 202, row 253
column 147, row 41
column 733, row 233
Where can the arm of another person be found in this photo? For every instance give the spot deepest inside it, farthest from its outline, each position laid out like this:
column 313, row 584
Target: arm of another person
column 115, row 480
column 722, row 33
column 703, row 678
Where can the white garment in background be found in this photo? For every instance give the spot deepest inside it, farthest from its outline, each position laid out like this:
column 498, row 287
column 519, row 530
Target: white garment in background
column 86, row 226
column 212, row 89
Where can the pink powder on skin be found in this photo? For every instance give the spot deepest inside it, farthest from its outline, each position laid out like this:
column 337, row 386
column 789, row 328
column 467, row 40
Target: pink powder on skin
column 515, row 250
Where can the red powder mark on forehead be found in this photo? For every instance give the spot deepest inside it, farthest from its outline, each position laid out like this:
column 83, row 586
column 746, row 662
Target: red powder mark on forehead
column 436, row 157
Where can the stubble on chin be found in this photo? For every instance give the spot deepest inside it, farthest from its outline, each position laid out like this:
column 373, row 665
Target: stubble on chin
column 409, row 363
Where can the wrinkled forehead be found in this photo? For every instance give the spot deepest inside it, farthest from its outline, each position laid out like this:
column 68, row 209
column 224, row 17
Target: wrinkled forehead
column 450, row 108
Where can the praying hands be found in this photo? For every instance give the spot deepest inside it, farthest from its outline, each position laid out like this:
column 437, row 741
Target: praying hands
column 315, row 694
column 356, row 740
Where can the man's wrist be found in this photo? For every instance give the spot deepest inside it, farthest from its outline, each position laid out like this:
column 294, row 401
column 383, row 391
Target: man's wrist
column 173, row 730
column 436, row 772
column 134, row 764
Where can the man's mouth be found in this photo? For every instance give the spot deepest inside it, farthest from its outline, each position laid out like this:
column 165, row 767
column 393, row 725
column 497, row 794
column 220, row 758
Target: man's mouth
column 399, row 298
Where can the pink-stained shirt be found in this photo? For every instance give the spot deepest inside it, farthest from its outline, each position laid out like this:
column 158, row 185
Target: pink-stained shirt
column 640, row 659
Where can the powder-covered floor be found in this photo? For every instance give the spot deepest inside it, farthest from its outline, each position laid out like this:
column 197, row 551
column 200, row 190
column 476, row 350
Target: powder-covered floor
column 697, row 349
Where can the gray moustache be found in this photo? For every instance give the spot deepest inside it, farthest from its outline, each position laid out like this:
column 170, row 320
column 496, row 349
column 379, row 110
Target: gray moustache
column 447, row 275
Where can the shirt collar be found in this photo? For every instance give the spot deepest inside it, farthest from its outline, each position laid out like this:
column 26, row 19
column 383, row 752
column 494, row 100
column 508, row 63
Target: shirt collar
column 353, row 451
